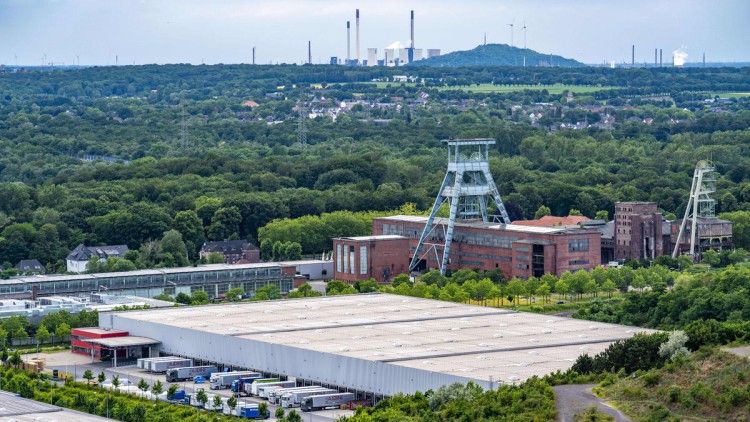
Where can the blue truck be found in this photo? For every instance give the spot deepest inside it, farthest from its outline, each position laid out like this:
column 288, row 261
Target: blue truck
column 251, row 411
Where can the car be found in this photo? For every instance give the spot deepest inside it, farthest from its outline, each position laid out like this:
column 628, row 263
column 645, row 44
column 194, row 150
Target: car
column 560, row 302
column 199, row 379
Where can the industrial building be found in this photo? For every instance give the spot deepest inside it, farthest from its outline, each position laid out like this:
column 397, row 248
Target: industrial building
column 375, row 344
column 378, row 257
column 213, row 279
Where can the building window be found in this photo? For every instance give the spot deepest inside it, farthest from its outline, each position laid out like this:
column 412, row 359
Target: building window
column 522, row 266
column 522, row 257
column 351, row 259
column 522, row 249
column 338, row 258
column 578, row 262
column 363, row 259
column 578, row 245
column 346, row 259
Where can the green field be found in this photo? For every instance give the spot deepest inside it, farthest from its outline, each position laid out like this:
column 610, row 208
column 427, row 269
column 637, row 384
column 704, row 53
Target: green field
column 730, row 94
column 552, row 89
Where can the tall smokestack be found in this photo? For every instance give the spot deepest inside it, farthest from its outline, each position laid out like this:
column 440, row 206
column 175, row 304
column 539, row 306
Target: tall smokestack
column 253, row 54
column 655, row 63
column 309, row 52
column 660, row 57
column 704, row 59
column 348, row 44
column 357, row 36
column 633, row 56
column 412, row 30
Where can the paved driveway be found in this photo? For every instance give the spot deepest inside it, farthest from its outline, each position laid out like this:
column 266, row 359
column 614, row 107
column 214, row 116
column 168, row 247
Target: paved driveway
column 573, row 399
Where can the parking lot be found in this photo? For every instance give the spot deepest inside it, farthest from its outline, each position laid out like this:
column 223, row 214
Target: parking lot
column 76, row 365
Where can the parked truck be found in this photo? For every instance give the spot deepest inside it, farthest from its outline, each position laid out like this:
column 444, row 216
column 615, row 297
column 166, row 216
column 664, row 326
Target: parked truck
column 189, row 372
column 161, row 366
column 264, row 391
column 294, row 399
column 257, row 386
column 238, row 386
column 143, row 362
column 274, row 396
column 251, row 411
column 221, row 380
column 324, row 401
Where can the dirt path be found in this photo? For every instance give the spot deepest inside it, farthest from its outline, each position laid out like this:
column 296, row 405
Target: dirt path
column 573, row 399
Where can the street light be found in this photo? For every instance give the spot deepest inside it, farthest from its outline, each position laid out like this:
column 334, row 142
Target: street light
column 75, row 372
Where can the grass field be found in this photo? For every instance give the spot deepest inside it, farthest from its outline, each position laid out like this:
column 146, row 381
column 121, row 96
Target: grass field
column 731, row 94
column 553, row 89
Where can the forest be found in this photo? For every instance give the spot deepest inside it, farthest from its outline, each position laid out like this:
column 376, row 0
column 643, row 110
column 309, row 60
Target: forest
column 163, row 158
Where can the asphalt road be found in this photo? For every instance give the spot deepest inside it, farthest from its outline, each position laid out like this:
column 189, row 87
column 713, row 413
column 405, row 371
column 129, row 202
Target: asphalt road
column 573, row 399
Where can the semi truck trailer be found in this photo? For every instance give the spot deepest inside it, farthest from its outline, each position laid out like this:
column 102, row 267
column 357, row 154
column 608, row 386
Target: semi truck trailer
column 189, row 372
column 257, row 387
column 274, row 396
column 325, row 401
column 221, row 380
column 241, row 385
column 162, row 366
column 295, row 399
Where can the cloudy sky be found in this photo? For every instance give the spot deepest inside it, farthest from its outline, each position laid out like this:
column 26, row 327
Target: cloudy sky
column 224, row 31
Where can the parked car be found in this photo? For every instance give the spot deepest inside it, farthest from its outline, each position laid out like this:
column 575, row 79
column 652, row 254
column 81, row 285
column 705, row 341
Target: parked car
column 199, row 379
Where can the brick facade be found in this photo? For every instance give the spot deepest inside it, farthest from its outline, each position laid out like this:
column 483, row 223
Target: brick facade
column 362, row 258
column 519, row 251
column 638, row 230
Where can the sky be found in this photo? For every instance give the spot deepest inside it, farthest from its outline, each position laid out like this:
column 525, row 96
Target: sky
column 108, row 32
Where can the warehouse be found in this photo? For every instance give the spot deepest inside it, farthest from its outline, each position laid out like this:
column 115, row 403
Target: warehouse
column 381, row 344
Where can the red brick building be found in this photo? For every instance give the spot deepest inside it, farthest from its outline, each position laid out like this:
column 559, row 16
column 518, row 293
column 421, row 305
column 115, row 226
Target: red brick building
column 519, row 251
column 365, row 257
column 638, row 231
column 233, row 251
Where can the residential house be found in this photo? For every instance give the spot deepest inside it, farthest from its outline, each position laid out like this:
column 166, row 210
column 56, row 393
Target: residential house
column 233, row 251
column 79, row 257
column 31, row 266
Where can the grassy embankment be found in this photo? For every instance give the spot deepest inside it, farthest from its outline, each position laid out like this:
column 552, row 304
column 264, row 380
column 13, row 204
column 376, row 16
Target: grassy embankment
column 709, row 385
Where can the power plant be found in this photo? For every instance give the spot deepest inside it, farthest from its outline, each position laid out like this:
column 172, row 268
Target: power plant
column 395, row 54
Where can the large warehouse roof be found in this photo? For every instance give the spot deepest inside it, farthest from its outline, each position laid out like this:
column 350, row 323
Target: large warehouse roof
column 441, row 338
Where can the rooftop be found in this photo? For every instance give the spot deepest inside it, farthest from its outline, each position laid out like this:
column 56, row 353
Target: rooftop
column 486, row 225
column 444, row 337
column 380, row 237
column 550, row 221
column 159, row 271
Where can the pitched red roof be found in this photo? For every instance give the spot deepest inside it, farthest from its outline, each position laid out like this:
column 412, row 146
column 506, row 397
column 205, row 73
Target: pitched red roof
column 551, row 221
column 250, row 103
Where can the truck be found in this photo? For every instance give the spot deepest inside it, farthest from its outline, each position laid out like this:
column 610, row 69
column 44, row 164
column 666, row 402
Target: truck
column 294, row 399
column 162, row 366
column 251, row 411
column 274, row 396
column 238, row 386
column 143, row 362
column 324, row 401
column 178, row 395
column 189, row 372
column 265, row 390
column 257, row 387
column 221, row 380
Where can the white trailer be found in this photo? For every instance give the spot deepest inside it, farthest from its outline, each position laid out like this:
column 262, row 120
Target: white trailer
column 257, row 387
column 295, row 399
column 324, row 401
column 190, row 372
column 162, row 366
column 223, row 380
column 275, row 396
column 143, row 362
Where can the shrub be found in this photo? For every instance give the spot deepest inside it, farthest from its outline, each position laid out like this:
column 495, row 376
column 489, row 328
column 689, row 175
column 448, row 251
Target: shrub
column 674, row 394
column 651, row 378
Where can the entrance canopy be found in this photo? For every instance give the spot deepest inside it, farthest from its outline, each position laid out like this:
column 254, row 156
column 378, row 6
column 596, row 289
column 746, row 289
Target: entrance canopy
column 126, row 341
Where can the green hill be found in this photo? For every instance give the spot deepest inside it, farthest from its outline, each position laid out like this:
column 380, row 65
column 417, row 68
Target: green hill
column 497, row 55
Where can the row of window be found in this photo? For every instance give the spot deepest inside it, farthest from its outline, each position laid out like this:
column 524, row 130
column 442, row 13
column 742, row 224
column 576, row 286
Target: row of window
column 345, row 259
column 578, row 245
column 578, row 262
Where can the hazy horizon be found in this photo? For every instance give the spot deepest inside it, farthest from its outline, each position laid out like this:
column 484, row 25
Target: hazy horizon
column 93, row 32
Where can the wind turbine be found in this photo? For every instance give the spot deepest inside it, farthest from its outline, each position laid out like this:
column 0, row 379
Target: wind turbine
column 511, row 31
column 524, row 35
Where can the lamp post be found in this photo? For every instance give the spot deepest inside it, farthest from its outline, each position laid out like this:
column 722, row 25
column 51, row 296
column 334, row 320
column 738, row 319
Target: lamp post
column 75, row 372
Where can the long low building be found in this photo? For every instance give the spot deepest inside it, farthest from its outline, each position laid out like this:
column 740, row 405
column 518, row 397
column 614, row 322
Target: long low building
column 375, row 344
column 214, row 279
